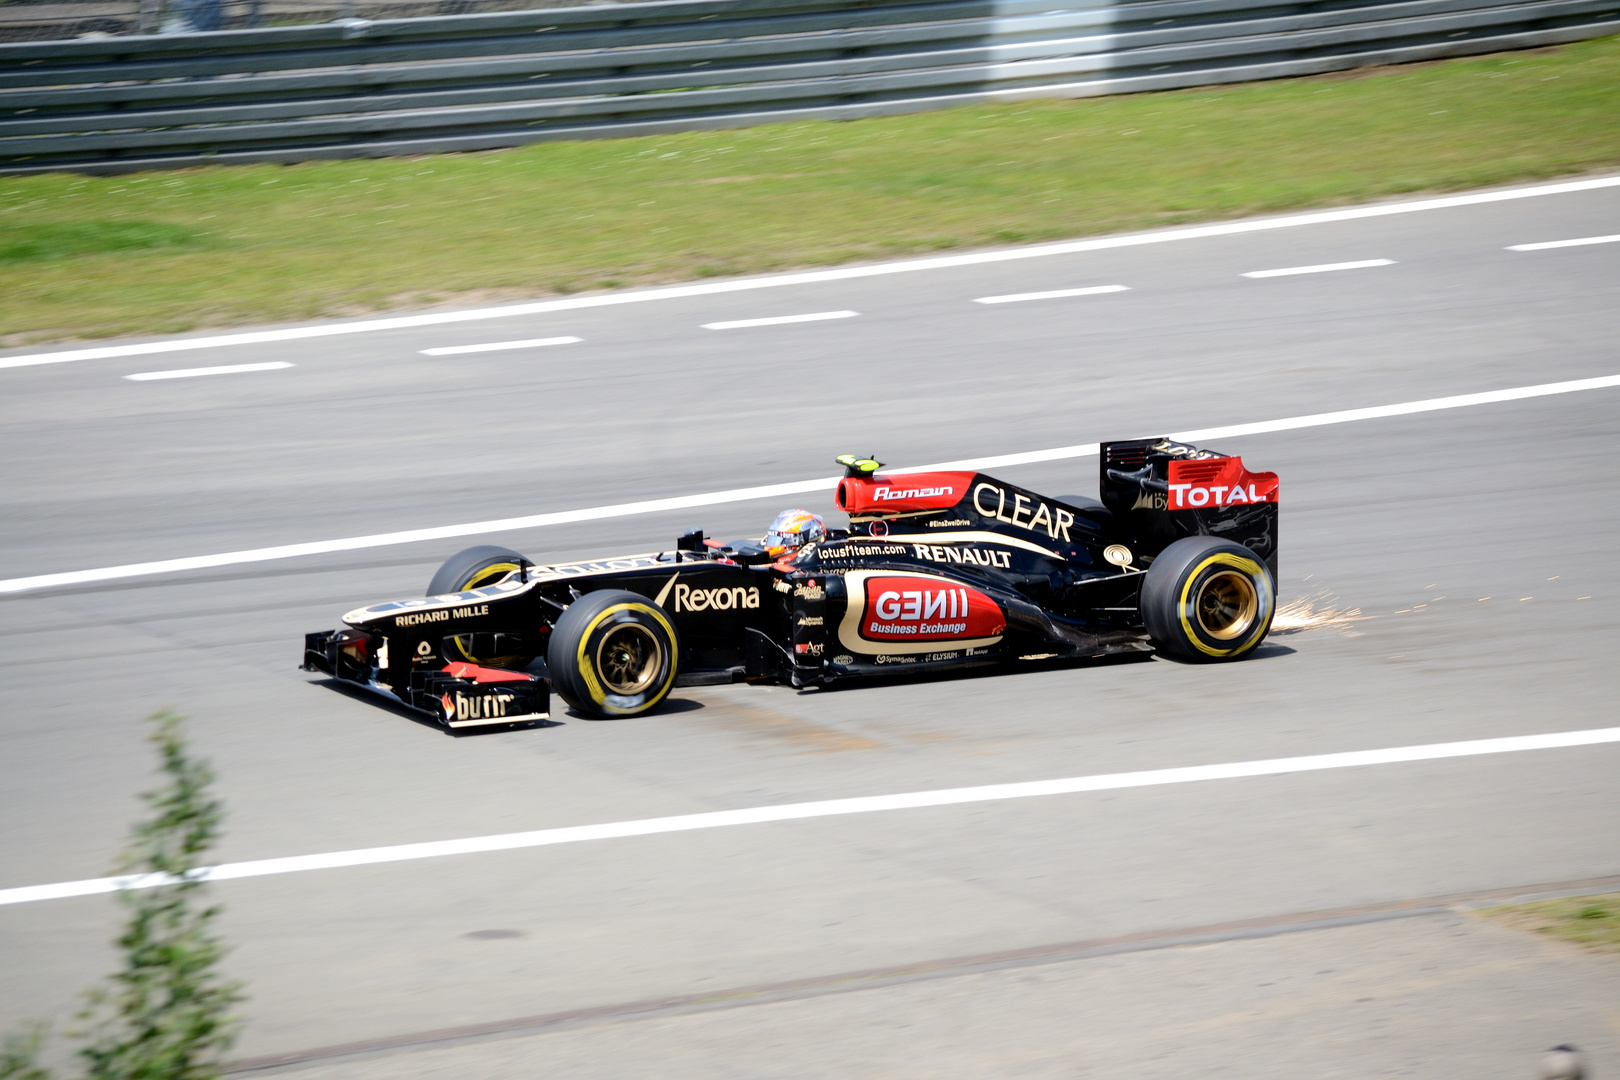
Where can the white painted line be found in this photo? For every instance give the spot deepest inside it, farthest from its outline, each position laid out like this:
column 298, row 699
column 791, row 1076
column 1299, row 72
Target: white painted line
column 1322, row 268
column 759, row 815
column 500, row 346
column 1547, row 245
column 808, row 277
column 769, row 491
column 1018, row 298
column 412, row 536
column 194, row 372
column 1266, row 427
column 779, row 320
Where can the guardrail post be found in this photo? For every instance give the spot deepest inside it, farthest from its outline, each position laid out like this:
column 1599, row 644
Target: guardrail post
column 202, row 14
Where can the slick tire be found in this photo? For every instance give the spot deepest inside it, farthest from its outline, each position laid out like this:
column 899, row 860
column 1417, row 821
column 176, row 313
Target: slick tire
column 1207, row 600
column 613, row 654
column 471, row 569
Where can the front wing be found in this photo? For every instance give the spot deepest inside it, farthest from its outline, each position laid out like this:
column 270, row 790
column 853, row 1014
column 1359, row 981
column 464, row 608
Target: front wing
column 457, row 696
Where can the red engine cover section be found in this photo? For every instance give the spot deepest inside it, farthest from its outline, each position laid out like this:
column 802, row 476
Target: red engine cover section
column 922, row 609
column 1218, row 482
column 894, row 494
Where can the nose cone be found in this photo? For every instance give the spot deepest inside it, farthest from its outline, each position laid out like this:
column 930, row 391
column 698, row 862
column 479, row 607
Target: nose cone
column 1562, row 1063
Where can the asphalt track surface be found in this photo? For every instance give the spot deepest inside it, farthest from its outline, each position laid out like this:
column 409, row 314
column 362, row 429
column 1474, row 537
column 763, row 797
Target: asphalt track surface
column 1477, row 541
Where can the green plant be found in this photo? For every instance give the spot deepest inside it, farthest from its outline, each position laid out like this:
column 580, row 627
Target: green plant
column 166, row 1014
column 19, row 1054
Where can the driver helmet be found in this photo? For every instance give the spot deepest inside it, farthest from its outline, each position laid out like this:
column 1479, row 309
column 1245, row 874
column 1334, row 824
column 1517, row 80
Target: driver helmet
column 794, row 529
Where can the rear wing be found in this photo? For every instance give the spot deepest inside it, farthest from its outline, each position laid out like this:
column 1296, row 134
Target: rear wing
column 1163, row 490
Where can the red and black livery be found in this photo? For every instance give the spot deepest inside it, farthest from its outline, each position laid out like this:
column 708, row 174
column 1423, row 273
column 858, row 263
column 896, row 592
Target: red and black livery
column 937, row 571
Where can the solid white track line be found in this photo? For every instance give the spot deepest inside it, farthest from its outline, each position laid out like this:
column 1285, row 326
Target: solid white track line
column 1321, row 268
column 780, row 320
column 194, row 372
column 500, row 346
column 1054, row 294
column 828, row 808
column 1549, row 244
column 772, row 491
column 844, row 273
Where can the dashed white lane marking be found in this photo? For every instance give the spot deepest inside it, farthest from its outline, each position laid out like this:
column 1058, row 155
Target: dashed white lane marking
column 770, row 491
column 844, row 273
column 780, row 320
column 1582, row 242
column 500, row 346
column 1053, row 294
column 1320, row 268
column 828, row 808
column 194, row 372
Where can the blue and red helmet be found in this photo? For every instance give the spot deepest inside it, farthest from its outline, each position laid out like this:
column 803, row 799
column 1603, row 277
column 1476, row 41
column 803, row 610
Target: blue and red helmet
column 794, row 529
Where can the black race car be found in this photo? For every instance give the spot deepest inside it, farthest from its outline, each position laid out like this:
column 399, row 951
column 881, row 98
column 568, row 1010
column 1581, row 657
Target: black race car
column 938, row 571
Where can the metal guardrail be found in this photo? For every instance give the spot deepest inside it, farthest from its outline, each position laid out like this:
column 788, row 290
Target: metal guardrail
column 61, row 20
column 473, row 82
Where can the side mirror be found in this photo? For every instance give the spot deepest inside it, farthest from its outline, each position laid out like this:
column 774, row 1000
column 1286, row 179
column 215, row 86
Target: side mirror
column 690, row 541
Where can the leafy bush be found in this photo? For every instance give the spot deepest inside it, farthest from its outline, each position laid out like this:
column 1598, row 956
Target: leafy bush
column 166, row 1014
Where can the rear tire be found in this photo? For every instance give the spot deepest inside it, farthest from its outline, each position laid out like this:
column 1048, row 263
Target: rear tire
column 613, row 653
column 1207, row 600
column 474, row 568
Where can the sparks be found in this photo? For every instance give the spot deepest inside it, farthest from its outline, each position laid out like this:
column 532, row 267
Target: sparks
column 1314, row 612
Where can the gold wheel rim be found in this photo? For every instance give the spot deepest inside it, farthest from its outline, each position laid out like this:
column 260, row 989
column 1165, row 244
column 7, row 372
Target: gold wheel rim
column 1227, row 605
column 489, row 575
column 629, row 659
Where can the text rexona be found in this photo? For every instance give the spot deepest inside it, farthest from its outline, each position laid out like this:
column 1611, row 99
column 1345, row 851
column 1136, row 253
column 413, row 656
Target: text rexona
column 718, row 599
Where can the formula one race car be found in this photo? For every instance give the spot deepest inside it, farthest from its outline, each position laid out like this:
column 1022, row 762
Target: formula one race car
column 938, row 571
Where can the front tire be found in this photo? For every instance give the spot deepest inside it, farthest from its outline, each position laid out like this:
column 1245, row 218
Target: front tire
column 1206, row 600
column 473, row 568
column 613, row 653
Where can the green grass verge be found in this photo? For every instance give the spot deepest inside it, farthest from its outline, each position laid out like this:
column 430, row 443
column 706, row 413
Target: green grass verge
column 1593, row 921
column 231, row 245
column 59, row 240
